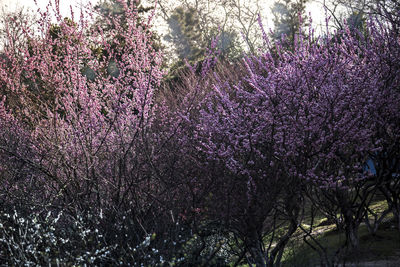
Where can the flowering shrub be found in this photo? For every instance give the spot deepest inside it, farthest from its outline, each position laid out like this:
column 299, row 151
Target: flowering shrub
column 36, row 237
column 218, row 172
column 40, row 239
column 257, row 139
column 85, row 128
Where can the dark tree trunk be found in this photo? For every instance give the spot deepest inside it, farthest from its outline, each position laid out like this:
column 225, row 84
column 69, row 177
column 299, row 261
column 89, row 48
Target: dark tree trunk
column 255, row 248
column 351, row 233
column 396, row 213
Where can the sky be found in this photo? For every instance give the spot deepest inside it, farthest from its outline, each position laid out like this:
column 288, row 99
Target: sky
column 314, row 7
column 11, row 5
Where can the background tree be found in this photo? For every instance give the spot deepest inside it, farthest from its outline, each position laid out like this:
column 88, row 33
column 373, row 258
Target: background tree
column 186, row 35
column 234, row 20
column 356, row 11
column 289, row 17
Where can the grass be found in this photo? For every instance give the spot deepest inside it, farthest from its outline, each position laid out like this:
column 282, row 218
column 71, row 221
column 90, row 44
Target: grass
column 385, row 245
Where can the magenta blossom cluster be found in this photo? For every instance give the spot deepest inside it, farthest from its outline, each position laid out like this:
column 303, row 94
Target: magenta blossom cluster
column 259, row 135
column 85, row 94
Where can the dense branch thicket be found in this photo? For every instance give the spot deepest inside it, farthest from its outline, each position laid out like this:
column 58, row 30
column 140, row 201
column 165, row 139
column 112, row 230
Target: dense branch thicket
column 99, row 165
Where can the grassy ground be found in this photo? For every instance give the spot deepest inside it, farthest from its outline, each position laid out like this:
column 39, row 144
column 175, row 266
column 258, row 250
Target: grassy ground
column 383, row 249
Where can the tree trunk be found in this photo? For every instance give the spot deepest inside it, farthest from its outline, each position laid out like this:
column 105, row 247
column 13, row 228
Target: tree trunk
column 258, row 256
column 396, row 213
column 352, row 235
column 254, row 247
